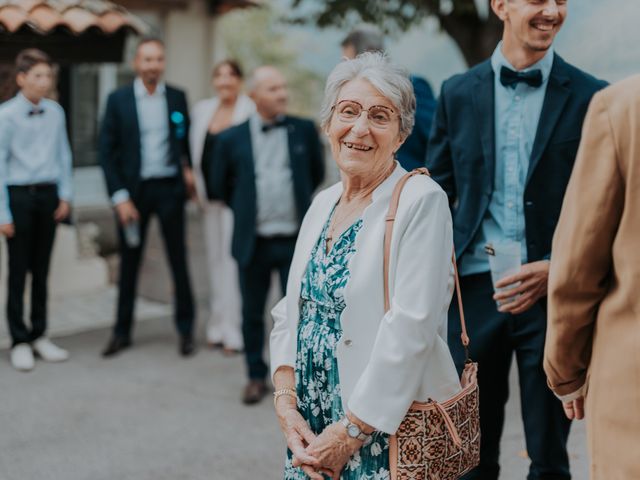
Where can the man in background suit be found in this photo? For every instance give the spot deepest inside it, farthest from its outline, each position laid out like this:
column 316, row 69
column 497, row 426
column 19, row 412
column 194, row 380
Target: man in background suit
column 413, row 152
column 144, row 153
column 503, row 146
column 266, row 169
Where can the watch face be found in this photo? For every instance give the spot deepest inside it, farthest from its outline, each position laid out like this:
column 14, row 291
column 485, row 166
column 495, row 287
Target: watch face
column 353, row 431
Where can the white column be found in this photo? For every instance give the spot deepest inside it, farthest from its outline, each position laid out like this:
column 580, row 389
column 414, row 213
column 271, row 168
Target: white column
column 188, row 53
column 107, row 83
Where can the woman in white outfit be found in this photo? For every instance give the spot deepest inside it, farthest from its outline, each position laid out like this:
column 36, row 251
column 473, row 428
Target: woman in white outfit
column 209, row 117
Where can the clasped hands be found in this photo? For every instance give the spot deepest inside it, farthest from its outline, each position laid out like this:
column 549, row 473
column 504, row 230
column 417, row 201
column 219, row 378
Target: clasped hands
column 326, row 453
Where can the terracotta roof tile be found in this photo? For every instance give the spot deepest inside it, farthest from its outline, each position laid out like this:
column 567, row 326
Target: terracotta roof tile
column 13, row 17
column 44, row 16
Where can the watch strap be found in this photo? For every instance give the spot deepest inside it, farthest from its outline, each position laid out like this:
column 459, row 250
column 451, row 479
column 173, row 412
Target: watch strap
column 363, row 437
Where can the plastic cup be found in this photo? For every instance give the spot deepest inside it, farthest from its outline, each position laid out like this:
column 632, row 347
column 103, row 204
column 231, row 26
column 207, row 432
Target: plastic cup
column 132, row 234
column 505, row 261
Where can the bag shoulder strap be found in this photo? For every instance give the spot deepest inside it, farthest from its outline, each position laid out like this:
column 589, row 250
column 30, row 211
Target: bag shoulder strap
column 389, row 221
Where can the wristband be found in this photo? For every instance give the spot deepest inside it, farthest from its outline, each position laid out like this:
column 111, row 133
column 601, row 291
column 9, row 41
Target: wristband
column 284, row 391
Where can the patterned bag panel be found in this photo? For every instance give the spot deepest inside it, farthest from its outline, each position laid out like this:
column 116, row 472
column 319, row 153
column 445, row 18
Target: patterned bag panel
column 430, row 446
column 435, row 441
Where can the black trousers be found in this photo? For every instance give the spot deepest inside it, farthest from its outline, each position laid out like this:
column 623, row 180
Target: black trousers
column 255, row 280
column 495, row 337
column 164, row 198
column 32, row 208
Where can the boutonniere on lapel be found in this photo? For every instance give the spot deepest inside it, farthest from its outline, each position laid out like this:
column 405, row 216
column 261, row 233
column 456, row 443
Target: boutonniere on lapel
column 179, row 126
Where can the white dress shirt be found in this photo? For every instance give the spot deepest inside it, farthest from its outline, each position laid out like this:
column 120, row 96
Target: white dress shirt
column 277, row 213
column 34, row 148
column 385, row 360
column 155, row 147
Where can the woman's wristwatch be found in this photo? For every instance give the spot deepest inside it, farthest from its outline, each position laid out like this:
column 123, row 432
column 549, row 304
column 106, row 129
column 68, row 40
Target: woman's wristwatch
column 354, row 431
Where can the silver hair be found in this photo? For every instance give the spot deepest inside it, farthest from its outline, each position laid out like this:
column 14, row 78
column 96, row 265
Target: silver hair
column 390, row 80
column 365, row 38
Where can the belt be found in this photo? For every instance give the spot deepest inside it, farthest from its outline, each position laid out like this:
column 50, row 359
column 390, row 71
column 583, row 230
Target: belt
column 34, row 187
column 160, row 179
column 277, row 237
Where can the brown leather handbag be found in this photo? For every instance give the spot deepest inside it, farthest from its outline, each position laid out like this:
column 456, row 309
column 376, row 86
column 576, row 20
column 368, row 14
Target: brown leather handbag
column 436, row 440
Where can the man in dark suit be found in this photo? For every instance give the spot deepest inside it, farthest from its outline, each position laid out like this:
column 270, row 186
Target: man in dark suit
column 503, row 145
column 144, row 153
column 413, row 152
column 266, row 169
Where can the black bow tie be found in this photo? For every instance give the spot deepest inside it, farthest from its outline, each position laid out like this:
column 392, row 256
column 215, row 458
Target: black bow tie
column 36, row 111
column 266, row 127
column 509, row 77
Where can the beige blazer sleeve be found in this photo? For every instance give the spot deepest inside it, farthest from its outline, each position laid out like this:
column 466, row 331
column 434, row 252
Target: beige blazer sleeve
column 581, row 262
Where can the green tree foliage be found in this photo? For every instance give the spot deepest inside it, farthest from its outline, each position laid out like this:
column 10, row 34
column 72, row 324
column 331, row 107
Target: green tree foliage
column 475, row 34
column 256, row 37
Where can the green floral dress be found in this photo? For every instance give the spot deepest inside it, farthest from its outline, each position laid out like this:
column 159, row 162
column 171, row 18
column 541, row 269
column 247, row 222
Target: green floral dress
column 319, row 330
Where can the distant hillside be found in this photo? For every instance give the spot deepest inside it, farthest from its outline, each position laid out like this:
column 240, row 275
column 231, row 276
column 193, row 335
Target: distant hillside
column 603, row 37
column 599, row 36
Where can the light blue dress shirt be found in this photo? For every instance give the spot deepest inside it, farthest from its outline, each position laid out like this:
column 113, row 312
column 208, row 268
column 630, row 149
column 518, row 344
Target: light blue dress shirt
column 153, row 123
column 277, row 213
column 33, row 149
column 517, row 113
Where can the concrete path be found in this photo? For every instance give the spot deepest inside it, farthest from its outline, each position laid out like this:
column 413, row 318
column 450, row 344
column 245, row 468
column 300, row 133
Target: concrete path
column 72, row 314
column 151, row 415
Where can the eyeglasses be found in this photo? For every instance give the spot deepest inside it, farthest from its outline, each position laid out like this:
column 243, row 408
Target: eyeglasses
column 349, row 111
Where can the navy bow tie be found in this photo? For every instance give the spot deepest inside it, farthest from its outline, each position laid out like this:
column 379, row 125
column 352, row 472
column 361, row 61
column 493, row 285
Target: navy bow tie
column 266, row 127
column 36, row 111
column 509, row 77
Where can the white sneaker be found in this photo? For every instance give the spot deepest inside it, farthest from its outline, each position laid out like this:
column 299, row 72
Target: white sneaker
column 48, row 351
column 22, row 357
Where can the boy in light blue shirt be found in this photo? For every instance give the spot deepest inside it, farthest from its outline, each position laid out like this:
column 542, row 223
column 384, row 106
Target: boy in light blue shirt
column 35, row 194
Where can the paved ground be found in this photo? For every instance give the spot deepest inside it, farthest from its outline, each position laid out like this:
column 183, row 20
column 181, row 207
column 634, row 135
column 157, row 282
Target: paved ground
column 88, row 311
column 151, row 415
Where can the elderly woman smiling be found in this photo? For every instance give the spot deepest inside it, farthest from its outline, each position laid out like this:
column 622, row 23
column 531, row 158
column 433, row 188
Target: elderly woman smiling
column 346, row 372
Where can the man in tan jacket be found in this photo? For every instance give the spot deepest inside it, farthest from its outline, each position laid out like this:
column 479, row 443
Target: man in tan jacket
column 593, row 336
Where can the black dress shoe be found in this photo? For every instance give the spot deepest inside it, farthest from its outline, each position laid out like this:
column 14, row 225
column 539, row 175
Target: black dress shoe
column 254, row 392
column 187, row 347
column 115, row 345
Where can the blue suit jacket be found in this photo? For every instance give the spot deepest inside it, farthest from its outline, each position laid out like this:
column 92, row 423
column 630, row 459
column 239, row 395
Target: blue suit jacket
column 461, row 155
column 413, row 152
column 233, row 177
column 119, row 142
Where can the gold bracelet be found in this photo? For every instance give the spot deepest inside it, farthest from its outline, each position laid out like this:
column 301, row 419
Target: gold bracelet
column 290, row 392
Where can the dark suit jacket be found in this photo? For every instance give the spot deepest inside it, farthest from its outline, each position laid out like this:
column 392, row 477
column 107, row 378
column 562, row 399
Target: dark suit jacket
column 413, row 152
column 461, row 155
column 233, row 177
column 119, row 143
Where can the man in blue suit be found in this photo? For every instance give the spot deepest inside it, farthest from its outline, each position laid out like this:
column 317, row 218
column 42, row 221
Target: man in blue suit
column 144, row 153
column 266, row 170
column 503, row 145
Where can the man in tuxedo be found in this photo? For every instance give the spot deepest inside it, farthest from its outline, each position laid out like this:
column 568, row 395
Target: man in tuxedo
column 503, row 145
column 266, row 169
column 144, row 153
column 413, row 152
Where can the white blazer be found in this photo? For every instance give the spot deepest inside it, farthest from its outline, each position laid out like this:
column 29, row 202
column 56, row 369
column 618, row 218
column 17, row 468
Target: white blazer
column 385, row 361
column 201, row 115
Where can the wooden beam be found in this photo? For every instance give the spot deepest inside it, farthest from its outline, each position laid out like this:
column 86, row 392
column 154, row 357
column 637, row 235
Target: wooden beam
column 154, row 5
column 65, row 48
